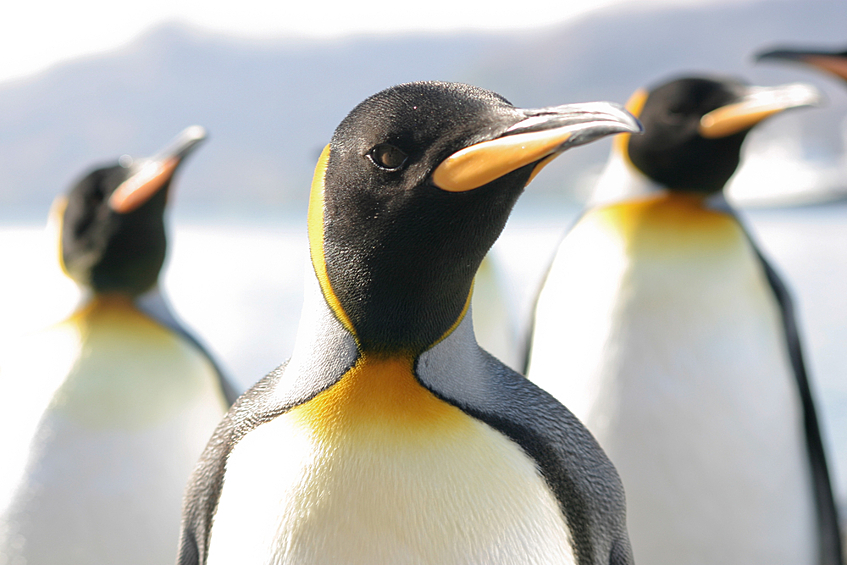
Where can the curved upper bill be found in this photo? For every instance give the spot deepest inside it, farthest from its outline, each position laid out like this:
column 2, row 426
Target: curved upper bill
column 155, row 172
column 756, row 104
column 833, row 62
column 538, row 138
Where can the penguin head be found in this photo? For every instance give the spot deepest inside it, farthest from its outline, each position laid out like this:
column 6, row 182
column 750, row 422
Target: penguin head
column 833, row 62
column 414, row 188
column 112, row 237
column 694, row 128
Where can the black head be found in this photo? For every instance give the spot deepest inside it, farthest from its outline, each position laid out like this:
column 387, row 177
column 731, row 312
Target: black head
column 694, row 128
column 419, row 181
column 831, row 61
column 113, row 232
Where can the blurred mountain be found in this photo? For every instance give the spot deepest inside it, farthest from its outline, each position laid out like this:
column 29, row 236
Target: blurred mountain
column 271, row 106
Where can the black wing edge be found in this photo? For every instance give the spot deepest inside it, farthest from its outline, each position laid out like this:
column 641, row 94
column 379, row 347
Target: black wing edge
column 829, row 531
column 203, row 490
column 229, row 390
column 575, row 467
column 157, row 306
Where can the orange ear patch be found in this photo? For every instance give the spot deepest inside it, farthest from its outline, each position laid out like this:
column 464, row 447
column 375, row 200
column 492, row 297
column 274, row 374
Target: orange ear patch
column 634, row 105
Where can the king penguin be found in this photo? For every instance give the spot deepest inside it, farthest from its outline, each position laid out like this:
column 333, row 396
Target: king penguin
column 676, row 343
column 390, row 436
column 122, row 398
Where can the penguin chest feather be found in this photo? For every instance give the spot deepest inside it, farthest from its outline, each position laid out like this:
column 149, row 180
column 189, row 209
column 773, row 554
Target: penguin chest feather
column 376, row 469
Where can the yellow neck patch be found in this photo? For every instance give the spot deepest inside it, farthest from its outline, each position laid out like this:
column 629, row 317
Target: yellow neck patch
column 671, row 222
column 130, row 372
column 55, row 222
column 380, row 395
column 107, row 305
column 316, row 240
column 634, row 105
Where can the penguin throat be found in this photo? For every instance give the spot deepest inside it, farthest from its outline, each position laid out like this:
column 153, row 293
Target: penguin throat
column 379, row 393
column 391, row 322
column 96, row 304
column 701, row 166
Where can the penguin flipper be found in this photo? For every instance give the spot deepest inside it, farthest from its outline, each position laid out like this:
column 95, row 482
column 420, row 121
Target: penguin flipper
column 585, row 482
column 831, row 551
column 256, row 406
column 230, row 393
column 578, row 472
column 154, row 304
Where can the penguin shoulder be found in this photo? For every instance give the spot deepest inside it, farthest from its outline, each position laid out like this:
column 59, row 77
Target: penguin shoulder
column 154, row 304
column 574, row 466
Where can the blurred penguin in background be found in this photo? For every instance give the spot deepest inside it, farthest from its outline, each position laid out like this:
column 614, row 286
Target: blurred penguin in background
column 114, row 404
column 676, row 343
column 833, row 62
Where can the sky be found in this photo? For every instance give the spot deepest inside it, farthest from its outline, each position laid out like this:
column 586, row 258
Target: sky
column 37, row 34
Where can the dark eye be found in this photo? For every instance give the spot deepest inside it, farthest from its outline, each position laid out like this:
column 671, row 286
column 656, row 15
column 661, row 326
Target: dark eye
column 386, row 156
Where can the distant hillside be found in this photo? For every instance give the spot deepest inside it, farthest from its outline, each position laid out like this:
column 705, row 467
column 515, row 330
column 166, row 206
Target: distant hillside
column 270, row 107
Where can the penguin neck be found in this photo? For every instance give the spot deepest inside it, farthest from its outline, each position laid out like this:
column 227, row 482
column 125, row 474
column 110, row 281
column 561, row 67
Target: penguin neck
column 391, row 300
column 322, row 300
column 382, row 268
column 151, row 303
column 395, row 311
column 326, row 350
column 621, row 180
column 671, row 206
column 98, row 301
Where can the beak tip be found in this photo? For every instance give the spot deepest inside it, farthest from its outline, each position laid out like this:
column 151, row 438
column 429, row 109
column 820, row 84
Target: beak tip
column 195, row 133
column 625, row 121
column 808, row 95
column 184, row 143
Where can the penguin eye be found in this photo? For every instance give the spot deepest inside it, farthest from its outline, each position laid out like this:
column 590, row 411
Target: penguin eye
column 386, row 156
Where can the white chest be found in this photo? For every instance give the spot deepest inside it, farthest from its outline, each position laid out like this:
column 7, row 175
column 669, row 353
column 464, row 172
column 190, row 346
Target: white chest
column 385, row 494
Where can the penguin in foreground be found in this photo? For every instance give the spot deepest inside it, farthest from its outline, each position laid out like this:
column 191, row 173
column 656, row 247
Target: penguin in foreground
column 390, row 436
column 833, row 62
column 676, row 343
column 123, row 399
